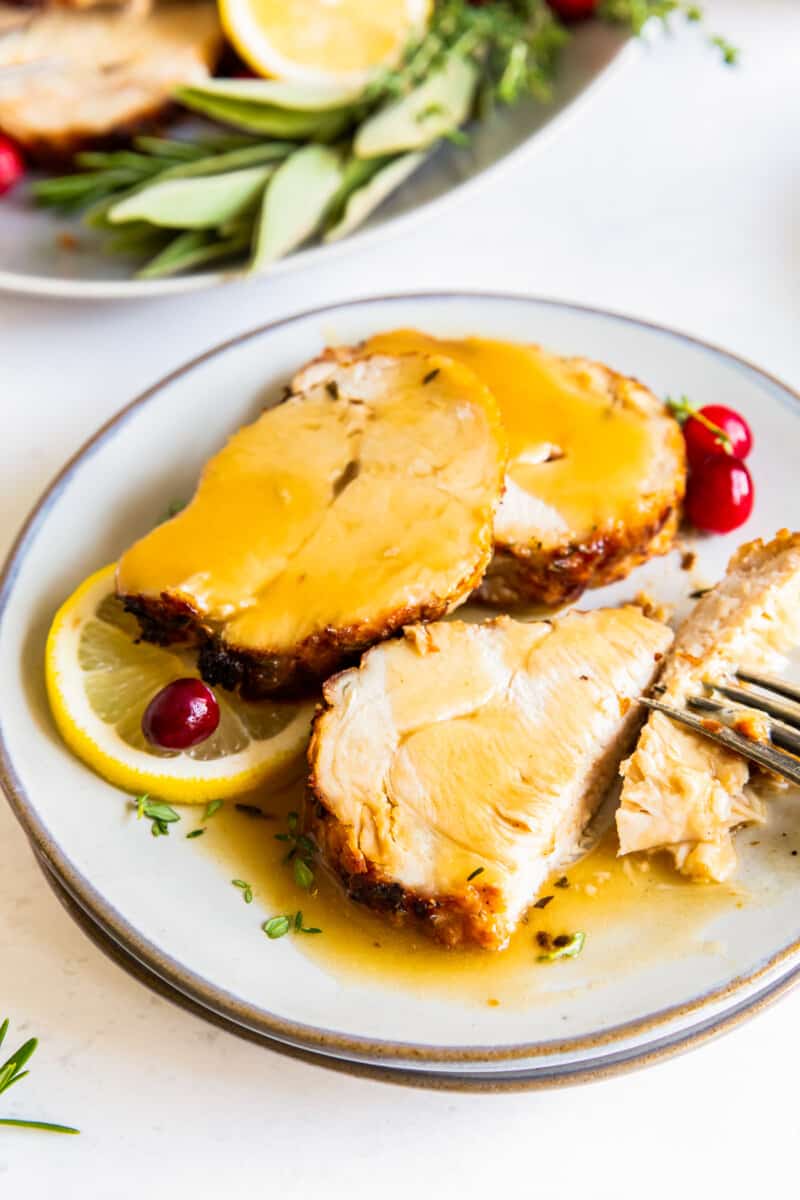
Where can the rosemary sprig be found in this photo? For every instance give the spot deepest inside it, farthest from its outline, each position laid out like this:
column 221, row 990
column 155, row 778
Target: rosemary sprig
column 11, row 1072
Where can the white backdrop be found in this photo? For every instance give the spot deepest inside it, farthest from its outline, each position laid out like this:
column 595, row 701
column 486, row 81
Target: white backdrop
column 676, row 197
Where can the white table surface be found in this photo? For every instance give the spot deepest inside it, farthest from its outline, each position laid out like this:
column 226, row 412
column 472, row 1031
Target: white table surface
column 676, row 197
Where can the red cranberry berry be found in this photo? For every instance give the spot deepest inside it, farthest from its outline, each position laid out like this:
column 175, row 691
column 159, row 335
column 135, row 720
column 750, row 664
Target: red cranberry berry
column 181, row 715
column 574, row 10
column 715, row 430
column 719, row 497
column 12, row 168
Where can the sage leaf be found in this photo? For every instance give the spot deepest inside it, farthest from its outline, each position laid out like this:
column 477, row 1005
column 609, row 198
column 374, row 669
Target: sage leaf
column 365, row 199
column 193, row 248
column 266, row 119
column 439, row 104
column 200, row 203
column 295, row 202
column 276, row 93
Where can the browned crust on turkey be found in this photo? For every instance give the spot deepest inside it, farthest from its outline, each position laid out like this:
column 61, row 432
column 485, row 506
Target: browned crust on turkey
column 466, row 918
column 56, row 151
column 255, row 676
column 527, row 574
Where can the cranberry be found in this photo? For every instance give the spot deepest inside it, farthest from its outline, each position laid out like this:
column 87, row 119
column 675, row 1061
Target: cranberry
column 12, row 168
column 181, row 715
column 719, row 497
column 574, row 10
column 716, row 430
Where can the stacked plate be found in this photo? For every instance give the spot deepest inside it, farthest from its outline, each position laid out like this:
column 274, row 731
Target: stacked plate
column 166, row 911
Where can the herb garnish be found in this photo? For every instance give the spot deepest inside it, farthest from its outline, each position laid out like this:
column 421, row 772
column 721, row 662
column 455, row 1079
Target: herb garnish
column 566, row 945
column 278, row 927
column 212, row 807
column 543, row 901
column 301, row 854
column 252, row 810
column 196, row 832
column 11, row 1072
column 245, row 888
column 429, row 378
column 562, row 882
column 162, row 815
column 478, row 871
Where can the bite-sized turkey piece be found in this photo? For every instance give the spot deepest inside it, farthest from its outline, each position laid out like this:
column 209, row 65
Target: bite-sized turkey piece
column 458, row 765
column 682, row 792
column 69, row 79
column 362, row 502
column 596, row 470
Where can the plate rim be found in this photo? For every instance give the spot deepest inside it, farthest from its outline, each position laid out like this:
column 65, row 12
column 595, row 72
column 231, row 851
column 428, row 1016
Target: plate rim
column 522, row 1080
column 204, row 991
column 59, row 288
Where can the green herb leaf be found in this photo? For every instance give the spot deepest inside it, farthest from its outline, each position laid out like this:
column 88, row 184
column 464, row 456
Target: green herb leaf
column 303, row 875
column 478, row 871
column 45, row 1125
column 245, row 888
column 195, row 833
column 276, row 927
column 11, row 1072
column 212, row 807
column 564, row 946
column 158, row 811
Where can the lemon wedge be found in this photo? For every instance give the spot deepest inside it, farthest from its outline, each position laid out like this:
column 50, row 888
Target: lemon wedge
column 100, row 680
column 320, row 42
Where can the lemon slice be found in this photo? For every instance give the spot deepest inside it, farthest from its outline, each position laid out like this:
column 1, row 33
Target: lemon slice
column 322, row 41
column 100, row 680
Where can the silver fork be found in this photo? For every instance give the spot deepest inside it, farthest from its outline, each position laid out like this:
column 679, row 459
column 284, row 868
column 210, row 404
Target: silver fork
column 783, row 719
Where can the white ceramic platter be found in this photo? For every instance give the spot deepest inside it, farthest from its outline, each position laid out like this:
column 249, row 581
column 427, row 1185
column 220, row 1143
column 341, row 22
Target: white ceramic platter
column 35, row 259
column 636, row 988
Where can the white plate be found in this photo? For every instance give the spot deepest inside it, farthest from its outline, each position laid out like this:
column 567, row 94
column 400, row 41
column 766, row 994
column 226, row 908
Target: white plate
column 33, row 261
column 172, row 907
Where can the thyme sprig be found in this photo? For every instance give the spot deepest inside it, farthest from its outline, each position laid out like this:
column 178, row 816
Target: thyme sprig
column 160, row 814
column 637, row 13
column 11, row 1071
column 301, row 852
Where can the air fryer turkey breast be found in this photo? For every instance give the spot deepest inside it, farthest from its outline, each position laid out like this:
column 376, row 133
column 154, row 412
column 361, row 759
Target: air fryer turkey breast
column 103, row 73
column 362, row 502
column 682, row 793
column 596, row 470
column 458, row 765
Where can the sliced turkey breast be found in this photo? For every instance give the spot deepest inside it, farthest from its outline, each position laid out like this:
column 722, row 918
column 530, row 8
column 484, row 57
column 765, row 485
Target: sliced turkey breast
column 457, row 766
column 596, row 470
column 362, row 502
column 70, row 78
column 683, row 793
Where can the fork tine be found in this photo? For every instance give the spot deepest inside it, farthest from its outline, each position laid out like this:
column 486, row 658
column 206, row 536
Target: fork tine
column 764, row 755
column 781, row 734
column 771, row 683
column 784, row 710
